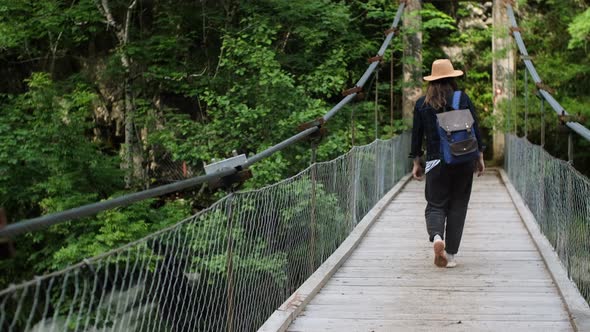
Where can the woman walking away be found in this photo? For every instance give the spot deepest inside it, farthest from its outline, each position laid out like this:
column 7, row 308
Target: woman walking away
column 453, row 151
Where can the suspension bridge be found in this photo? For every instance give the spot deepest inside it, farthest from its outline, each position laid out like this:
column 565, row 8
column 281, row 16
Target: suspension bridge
column 341, row 246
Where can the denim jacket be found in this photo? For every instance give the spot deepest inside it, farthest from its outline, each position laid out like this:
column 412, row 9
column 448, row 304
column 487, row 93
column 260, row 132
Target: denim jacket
column 425, row 124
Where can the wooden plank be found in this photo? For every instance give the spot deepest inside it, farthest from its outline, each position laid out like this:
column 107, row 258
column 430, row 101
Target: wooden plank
column 415, row 281
column 470, row 264
column 500, row 273
column 359, row 258
column 443, row 289
column 439, row 299
column 418, row 315
column 338, row 325
column 407, row 215
column 417, row 269
column 393, row 227
column 475, row 239
column 416, row 291
column 409, row 306
column 387, row 234
column 503, row 245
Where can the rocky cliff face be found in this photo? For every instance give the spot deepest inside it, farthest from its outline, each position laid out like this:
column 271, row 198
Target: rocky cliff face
column 480, row 17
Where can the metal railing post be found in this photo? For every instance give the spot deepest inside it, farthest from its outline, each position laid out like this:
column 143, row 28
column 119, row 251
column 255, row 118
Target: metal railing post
column 526, row 102
column 312, row 240
column 391, row 96
column 377, row 102
column 542, row 122
column 230, row 271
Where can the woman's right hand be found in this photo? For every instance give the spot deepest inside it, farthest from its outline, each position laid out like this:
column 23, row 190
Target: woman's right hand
column 417, row 171
column 480, row 165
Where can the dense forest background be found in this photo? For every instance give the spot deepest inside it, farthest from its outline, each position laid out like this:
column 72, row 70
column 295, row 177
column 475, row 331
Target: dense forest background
column 103, row 97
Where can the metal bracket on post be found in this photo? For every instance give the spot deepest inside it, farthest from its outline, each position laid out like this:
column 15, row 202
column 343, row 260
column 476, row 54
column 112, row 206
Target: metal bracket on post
column 562, row 128
column 388, row 31
column 86, row 264
column 320, row 133
column 513, row 30
column 526, row 57
column 357, row 89
column 563, row 118
column 229, row 181
column 542, row 86
column 377, row 58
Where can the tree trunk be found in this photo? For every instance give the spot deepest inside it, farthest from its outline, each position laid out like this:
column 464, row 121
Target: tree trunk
column 412, row 62
column 131, row 155
column 129, row 148
column 502, row 70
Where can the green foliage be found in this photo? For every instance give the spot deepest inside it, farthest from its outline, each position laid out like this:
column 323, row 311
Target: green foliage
column 31, row 28
column 438, row 30
column 579, row 29
column 114, row 228
column 51, row 163
column 318, row 83
column 435, row 20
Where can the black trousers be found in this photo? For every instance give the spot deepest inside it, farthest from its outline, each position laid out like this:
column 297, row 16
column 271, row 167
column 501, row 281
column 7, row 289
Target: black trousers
column 448, row 189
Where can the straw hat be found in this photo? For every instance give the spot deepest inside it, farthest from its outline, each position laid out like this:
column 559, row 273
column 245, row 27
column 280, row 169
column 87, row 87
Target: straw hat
column 442, row 68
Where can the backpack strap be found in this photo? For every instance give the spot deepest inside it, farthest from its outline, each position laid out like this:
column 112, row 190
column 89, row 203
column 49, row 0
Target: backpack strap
column 456, row 99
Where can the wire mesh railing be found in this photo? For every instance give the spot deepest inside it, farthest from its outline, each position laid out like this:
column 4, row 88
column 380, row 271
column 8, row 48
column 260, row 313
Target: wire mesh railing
column 559, row 198
column 226, row 268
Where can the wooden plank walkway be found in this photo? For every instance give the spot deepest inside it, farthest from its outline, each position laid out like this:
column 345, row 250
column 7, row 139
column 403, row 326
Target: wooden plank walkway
column 390, row 282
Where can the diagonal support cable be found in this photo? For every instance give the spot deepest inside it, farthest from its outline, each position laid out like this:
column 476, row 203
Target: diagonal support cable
column 543, row 90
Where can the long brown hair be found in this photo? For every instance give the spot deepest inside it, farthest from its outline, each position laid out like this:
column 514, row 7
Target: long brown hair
column 438, row 91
